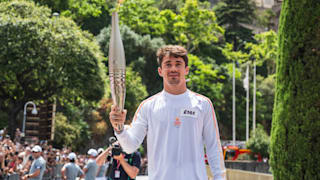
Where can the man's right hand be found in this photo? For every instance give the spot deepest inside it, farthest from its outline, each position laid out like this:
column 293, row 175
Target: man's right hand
column 117, row 118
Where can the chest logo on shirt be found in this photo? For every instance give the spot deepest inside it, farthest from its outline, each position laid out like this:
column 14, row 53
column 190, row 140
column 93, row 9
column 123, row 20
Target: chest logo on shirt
column 189, row 113
column 177, row 122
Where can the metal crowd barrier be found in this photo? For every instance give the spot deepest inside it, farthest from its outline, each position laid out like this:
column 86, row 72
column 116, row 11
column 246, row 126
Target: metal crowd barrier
column 55, row 174
column 12, row 177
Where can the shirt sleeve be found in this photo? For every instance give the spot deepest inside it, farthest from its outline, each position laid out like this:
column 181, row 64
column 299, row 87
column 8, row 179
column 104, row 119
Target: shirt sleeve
column 80, row 173
column 136, row 160
column 88, row 165
column 65, row 166
column 212, row 141
column 38, row 165
column 132, row 137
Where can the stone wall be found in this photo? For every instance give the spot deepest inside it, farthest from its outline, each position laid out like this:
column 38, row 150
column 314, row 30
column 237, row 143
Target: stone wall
column 260, row 167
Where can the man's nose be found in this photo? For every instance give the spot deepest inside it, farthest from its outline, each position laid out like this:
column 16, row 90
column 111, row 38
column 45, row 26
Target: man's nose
column 173, row 69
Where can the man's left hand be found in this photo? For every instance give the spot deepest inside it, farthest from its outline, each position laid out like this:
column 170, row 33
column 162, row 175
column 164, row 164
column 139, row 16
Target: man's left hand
column 119, row 158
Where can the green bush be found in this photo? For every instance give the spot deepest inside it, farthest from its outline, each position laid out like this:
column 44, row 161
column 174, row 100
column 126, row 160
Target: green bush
column 259, row 142
column 71, row 134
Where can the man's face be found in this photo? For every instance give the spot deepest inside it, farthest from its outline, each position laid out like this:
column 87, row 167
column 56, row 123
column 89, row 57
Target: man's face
column 35, row 154
column 173, row 71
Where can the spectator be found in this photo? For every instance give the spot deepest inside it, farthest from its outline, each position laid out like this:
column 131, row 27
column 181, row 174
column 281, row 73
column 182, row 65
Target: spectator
column 2, row 165
column 23, row 161
column 1, row 134
column 71, row 170
column 125, row 166
column 38, row 165
column 26, row 155
column 19, row 169
column 103, row 163
column 144, row 166
column 90, row 169
column 17, row 137
column 13, row 160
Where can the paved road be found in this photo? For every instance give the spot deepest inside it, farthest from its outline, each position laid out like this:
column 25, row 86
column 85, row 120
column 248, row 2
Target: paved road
column 142, row 178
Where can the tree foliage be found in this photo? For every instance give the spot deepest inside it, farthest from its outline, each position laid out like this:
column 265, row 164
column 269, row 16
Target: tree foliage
column 69, row 133
column 234, row 15
column 77, row 10
column 142, row 17
column 264, row 52
column 136, row 92
column 89, row 15
column 265, row 100
column 193, row 25
column 295, row 135
column 43, row 57
column 173, row 5
column 140, row 54
column 259, row 141
column 204, row 79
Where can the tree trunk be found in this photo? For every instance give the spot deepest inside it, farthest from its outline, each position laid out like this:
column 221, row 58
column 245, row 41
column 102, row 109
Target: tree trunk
column 295, row 135
column 13, row 118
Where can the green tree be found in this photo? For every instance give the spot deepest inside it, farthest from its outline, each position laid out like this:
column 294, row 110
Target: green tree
column 43, row 57
column 142, row 17
column 225, row 110
column 194, row 24
column 173, row 5
column 72, row 134
column 82, row 11
column 259, row 142
column 264, row 51
column 89, row 15
column 265, row 100
column 204, row 79
column 140, row 55
column 264, row 54
column 265, row 18
column 233, row 15
column 295, row 137
column 136, row 92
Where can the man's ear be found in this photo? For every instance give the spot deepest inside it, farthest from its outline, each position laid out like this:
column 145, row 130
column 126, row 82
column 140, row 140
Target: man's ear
column 160, row 72
column 187, row 71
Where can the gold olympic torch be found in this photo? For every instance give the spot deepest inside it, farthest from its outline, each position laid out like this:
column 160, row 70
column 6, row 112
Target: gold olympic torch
column 117, row 67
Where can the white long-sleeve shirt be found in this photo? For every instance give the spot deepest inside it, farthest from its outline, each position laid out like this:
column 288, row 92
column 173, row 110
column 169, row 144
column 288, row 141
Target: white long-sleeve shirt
column 177, row 128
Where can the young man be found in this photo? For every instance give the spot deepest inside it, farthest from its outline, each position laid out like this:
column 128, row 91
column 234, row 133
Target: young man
column 71, row 170
column 103, row 164
column 38, row 165
column 125, row 166
column 178, row 124
column 90, row 169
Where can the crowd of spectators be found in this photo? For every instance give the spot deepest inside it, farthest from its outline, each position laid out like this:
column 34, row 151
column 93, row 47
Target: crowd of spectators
column 16, row 157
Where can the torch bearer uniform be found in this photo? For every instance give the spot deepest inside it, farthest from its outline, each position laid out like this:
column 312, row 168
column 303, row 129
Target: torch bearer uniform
column 177, row 128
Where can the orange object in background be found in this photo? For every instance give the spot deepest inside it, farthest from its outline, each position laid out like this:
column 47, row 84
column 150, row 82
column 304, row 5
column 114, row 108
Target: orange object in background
column 235, row 151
